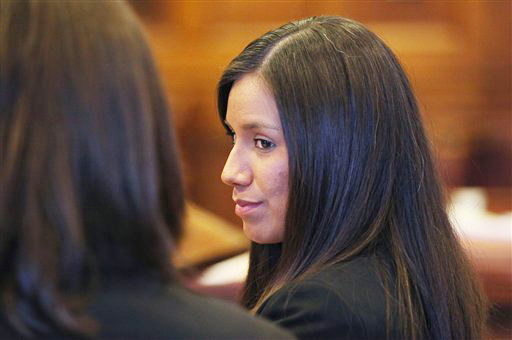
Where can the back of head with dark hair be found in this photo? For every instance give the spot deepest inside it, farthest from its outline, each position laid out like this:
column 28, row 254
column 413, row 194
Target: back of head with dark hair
column 361, row 176
column 89, row 180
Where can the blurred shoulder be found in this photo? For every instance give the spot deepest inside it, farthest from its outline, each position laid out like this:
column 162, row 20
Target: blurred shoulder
column 158, row 311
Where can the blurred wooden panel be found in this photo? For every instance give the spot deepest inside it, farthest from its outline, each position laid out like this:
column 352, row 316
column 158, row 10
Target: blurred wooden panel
column 207, row 237
column 378, row 11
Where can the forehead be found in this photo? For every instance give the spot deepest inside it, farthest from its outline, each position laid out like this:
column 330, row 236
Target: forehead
column 251, row 101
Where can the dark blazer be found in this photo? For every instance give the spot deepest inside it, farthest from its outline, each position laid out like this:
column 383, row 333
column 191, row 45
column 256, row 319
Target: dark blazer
column 343, row 301
column 148, row 310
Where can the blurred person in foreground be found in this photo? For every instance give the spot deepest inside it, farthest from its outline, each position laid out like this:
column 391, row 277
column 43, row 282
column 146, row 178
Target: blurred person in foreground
column 91, row 198
column 334, row 180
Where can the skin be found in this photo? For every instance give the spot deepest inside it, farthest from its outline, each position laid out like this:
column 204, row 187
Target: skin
column 257, row 166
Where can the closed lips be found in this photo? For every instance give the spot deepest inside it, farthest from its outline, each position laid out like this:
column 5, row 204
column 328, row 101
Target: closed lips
column 243, row 203
column 243, row 208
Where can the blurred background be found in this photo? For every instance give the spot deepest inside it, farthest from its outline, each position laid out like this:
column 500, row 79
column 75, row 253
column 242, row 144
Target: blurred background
column 458, row 57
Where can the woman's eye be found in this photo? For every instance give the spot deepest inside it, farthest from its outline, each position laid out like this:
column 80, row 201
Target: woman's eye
column 263, row 144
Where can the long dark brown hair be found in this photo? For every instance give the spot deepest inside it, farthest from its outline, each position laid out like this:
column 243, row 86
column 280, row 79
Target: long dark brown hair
column 362, row 178
column 90, row 185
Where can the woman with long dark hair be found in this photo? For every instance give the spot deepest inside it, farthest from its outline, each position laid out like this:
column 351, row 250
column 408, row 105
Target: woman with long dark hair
column 334, row 180
column 91, row 199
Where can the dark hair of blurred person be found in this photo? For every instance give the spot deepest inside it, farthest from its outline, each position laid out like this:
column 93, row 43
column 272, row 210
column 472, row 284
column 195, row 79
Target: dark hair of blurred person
column 90, row 190
column 360, row 245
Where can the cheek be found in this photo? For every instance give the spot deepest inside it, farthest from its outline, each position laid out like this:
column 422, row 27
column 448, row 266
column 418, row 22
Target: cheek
column 278, row 189
column 272, row 179
column 281, row 183
column 279, row 204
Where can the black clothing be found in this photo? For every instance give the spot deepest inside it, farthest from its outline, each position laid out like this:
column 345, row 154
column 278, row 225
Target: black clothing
column 149, row 310
column 343, row 301
column 172, row 312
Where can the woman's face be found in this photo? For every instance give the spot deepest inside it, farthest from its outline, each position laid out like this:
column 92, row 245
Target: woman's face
column 257, row 166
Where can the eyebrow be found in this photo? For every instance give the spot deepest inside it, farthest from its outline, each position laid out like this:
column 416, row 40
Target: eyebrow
column 251, row 125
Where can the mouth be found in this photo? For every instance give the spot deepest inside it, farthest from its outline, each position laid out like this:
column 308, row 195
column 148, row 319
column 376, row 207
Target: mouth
column 244, row 208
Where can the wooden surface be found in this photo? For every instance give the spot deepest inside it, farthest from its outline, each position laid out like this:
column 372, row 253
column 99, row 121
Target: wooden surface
column 206, row 238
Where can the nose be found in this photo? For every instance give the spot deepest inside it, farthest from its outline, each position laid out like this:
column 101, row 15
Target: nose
column 236, row 171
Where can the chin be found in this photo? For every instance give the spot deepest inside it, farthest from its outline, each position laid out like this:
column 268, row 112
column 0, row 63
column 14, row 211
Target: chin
column 259, row 235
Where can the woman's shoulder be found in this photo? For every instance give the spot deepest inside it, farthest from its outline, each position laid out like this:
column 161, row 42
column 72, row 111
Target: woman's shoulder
column 158, row 311
column 344, row 300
